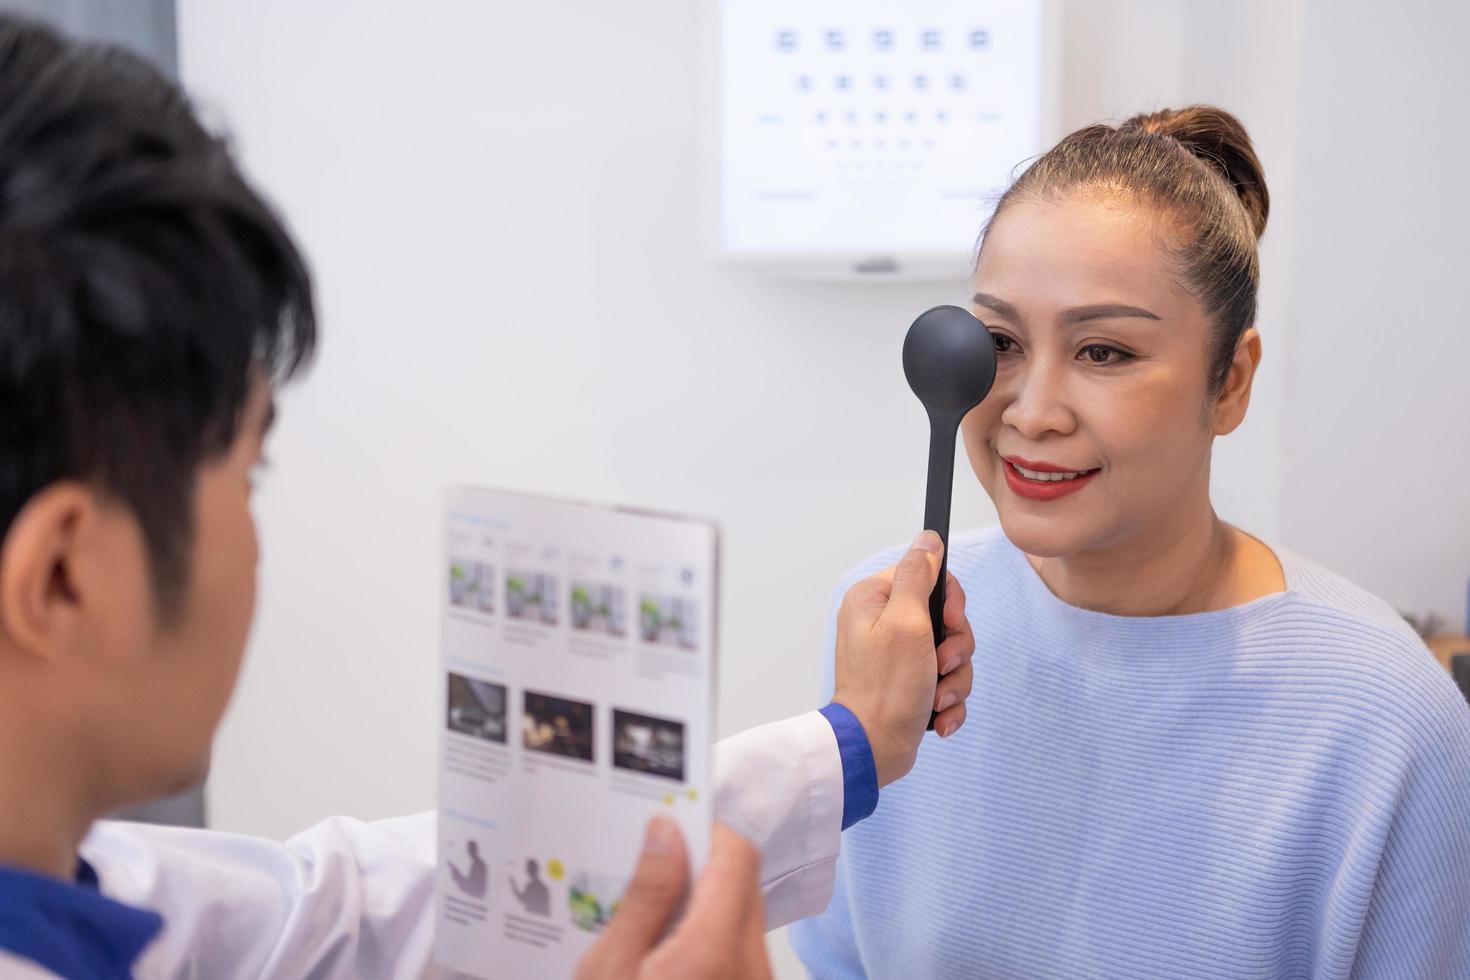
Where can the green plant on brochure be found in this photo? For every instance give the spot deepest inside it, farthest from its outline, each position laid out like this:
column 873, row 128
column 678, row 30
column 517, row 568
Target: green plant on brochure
column 652, row 618
column 587, row 911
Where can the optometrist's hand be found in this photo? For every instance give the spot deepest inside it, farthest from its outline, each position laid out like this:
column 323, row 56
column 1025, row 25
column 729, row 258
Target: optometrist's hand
column 722, row 933
column 887, row 662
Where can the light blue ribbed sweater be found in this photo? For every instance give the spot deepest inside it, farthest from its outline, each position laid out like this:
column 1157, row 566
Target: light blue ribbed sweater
column 1281, row 789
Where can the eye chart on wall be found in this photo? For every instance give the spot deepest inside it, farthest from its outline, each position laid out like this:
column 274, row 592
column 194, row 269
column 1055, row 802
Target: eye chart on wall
column 579, row 680
column 874, row 128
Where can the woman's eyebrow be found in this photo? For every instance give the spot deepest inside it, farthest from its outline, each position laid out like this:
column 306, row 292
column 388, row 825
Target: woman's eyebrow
column 998, row 305
column 1106, row 311
column 1078, row 314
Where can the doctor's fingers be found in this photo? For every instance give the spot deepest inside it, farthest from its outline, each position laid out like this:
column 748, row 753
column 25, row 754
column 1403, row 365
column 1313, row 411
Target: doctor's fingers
column 954, row 604
column 957, row 648
column 955, row 683
column 957, row 669
column 721, row 937
column 947, row 722
column 654, row 893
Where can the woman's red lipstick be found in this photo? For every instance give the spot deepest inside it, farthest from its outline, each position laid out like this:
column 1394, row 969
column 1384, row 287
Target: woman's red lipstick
column 1042, row 490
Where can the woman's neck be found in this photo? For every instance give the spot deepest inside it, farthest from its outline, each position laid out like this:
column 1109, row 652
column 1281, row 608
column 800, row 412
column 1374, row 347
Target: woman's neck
column 1194, row 564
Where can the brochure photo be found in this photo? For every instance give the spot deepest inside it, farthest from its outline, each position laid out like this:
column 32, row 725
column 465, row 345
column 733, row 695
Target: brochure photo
column 578, row 661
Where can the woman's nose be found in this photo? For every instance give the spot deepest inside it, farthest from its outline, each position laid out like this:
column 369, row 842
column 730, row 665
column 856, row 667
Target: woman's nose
column 1036, row 402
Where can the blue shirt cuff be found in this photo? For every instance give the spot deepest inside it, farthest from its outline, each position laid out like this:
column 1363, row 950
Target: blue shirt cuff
column 859, row 771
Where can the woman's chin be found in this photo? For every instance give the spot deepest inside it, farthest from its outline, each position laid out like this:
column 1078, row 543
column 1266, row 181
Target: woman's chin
column 1043, row 537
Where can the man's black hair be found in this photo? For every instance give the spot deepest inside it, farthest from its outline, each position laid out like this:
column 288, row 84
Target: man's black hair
column 142, row 285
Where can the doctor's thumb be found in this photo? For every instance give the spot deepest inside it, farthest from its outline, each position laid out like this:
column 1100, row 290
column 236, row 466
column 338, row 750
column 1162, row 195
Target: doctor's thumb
column 647, row 907
column 918, row 569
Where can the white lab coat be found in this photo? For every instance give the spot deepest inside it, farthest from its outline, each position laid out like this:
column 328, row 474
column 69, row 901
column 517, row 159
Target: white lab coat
column 348, row 899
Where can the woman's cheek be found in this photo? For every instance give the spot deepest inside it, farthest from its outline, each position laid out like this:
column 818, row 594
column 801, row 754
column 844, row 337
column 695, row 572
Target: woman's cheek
column 1151, row 431
column 979, row 430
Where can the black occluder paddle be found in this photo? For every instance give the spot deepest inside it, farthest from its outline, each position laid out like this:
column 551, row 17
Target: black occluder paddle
column 949, row 360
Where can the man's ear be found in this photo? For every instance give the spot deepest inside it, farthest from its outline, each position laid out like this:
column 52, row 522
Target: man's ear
column 1235, row 397
column 40, row 555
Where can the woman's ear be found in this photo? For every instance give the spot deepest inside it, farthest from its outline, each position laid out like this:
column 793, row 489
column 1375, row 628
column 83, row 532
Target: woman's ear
column 39, row 599
column 1235, row 396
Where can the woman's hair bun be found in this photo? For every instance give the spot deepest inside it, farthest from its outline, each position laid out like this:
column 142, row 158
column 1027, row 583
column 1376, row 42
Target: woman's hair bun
column 1217, row 138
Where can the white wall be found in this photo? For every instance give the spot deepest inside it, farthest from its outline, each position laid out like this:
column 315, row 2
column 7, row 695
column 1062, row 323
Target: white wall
column 501, row 203
column 1378, row 426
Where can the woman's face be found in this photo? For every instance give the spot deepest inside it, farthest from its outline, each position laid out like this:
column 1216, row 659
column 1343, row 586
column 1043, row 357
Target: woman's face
column 1097, row 433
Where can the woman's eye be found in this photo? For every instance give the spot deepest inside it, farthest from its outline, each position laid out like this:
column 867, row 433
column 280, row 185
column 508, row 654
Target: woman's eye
column 1003, row 344
column 1102, row 354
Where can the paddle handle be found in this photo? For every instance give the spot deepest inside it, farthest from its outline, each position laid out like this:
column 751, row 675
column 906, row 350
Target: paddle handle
column 937, row 499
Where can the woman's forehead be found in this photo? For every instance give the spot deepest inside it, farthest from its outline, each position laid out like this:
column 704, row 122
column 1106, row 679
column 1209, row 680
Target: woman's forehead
column 1079, row 250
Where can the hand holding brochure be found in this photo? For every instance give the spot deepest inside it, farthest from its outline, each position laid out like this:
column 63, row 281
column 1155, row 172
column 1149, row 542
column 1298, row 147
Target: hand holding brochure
column 578, row 654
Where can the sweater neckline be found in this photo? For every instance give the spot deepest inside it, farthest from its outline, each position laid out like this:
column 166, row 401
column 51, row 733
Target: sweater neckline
column 1040, row 593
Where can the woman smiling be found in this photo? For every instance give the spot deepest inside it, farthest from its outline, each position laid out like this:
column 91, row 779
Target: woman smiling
column 1189, row 754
